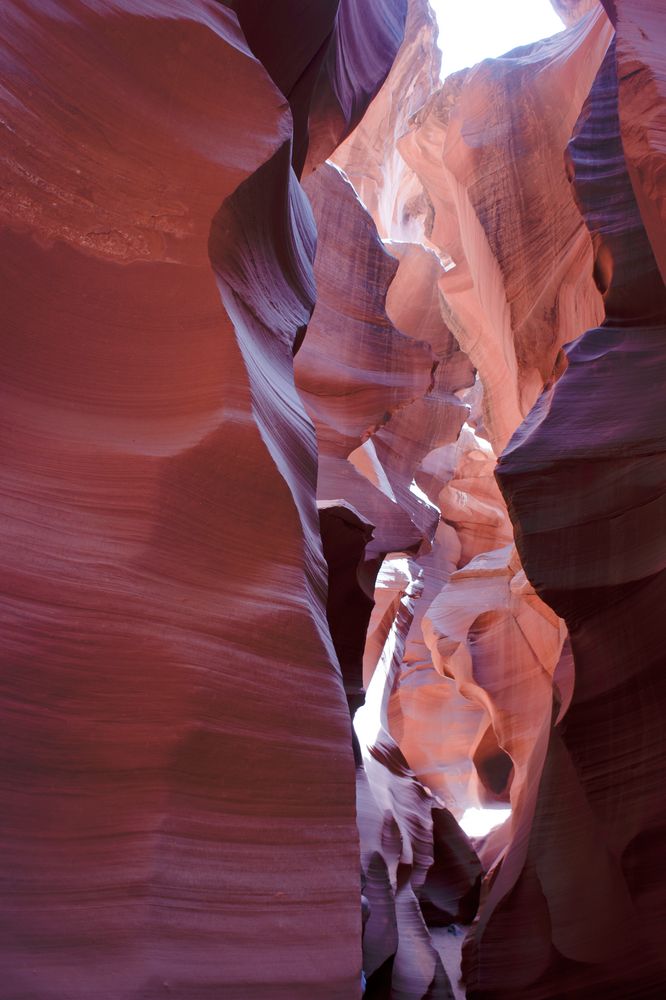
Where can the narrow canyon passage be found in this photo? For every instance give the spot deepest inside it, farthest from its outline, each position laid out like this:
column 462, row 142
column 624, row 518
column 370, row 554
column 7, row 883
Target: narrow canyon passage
column 332, row 390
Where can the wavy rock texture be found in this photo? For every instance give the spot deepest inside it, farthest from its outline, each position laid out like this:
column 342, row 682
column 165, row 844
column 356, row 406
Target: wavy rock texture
column 396, row 454
column 572, row 10
column 329, row 59
column 366, row 37
column 182, row 317
column 389, row 189
column 521, row 285
column 641, row 69
column 588, row 507
column 380, row 398
column 506, row 302
column 415, row 859
column 161, row 718
column 468, row 698
column 291, row 40
column 485, row 655
column 355, row 368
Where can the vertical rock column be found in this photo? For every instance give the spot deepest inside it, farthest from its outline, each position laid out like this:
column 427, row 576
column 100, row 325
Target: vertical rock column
column 177, row 773
column 585, row 478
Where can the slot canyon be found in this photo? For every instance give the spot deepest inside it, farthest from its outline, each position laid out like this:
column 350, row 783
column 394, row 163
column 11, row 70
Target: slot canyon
column 333, row 504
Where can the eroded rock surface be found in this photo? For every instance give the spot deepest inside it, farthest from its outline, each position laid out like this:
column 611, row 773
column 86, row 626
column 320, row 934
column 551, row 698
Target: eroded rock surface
column 641, row 70
column 251, row 435
column 572, row 10
column 482, row 701
column 595, row 562
column 170, row 683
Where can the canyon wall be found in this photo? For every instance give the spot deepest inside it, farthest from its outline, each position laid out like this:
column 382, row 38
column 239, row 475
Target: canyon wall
column 277, row 300
column 493, row 702
column 177, row 773
column 584, row 477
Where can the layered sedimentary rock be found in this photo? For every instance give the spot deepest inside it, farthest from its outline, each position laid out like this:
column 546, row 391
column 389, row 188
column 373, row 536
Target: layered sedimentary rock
column 526, row 288
column 521, row 284
column 584, row 477
column 292, row 41
column 415, row 858
column 380, row 397
column 366, row 38
column 572, row 10
column 329, row 59
column 194, row 601
column 641, row 70
column 170, row 684
column 355, row 369
column 391, row 192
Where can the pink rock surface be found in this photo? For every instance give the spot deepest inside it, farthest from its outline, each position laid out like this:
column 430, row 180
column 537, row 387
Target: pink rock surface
column 521, row 285
column 356, row 370
column 443, row 734
column 250, row 440
column 412, row 852
column 389, row 189
column 572, row 10
column 170, row 685
column 584, row 479
column 488, row 614
column 641, row 68
column 498, row 647
column 381, row 397
column 366, row 37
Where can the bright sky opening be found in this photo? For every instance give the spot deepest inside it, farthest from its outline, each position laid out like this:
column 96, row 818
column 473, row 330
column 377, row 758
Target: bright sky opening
column 479, row 822
column 472, row 30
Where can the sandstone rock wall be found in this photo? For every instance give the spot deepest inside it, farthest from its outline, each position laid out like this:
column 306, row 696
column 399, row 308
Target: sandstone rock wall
column 596, row 439
column 482, row 704
column 251, row 428
column 177, row 775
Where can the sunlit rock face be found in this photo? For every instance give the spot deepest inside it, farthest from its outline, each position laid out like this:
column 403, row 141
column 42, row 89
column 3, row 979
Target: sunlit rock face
column 481, row 700
column 391, row 191
column 356, row 370
column 254, row 403
column 381, row 398
column 491, row 165
column 413, row 854
column 521, row 286
column 572, row 10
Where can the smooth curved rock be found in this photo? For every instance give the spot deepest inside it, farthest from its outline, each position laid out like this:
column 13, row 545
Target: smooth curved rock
column 291, row 40
column 177, row 773
column 641, row 66
column 452, row 731
column 572, row 10
column 356, row 370
column 584, row 478
column 400, row 847
column 389, row 189
column 160, row 722
column 366, row 37
column 329, row 60
column 521, row 285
